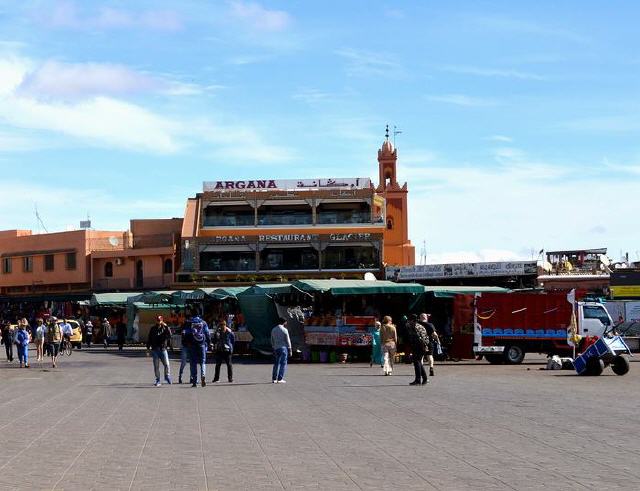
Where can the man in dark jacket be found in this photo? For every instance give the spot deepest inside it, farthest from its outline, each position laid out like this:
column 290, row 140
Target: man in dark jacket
column 8, row 338
column 419, row 340
column 433, row 339
column 158, row 340
column 224, row 340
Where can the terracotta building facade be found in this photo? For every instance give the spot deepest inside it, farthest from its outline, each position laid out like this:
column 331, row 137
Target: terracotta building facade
column 262, row 230
column 241, row 230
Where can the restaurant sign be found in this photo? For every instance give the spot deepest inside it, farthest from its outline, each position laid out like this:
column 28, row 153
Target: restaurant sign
column 287, row 184
column 287, row 237
column 462, row 270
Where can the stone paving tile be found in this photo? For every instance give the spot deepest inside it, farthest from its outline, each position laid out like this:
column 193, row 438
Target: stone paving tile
column 331, row 427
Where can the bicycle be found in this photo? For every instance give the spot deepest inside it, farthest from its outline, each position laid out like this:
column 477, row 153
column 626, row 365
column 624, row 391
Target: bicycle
column 66, row 347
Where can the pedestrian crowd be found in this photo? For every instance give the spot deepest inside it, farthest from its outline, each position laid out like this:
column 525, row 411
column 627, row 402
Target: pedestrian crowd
column 423, row 341
column 50, row 336
column 197, row 339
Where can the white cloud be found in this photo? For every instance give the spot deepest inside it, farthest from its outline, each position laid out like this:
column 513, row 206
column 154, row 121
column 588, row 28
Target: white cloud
column 463, row 100
column 485, row 255
column 100, row 120
column 65, row 14
column 16, row 142
column 55, row 79
column 609, row 124
column 312, row 96
column 500, row 138
column 511, row 25
column 108, row 211
column 492, row 72
column 240, row 144
column 518, row 205
column 256, row 16
column 367, row 63
column 35, row 104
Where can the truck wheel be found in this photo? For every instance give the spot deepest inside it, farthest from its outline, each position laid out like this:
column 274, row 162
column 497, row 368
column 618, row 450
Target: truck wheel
column 595, row 366
column 494, row 359
column 513, row 354
column 620, row 365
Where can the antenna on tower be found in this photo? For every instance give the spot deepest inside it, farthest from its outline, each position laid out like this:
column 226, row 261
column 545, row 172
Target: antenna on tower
column 39, row 220
column 396, row 131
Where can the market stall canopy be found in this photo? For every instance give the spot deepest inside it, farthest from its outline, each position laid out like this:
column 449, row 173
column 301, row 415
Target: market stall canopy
column 357, row 287
column 214, row 293
column 157, row 298
column 227, row 292
column 452, row 291
column 112, row 299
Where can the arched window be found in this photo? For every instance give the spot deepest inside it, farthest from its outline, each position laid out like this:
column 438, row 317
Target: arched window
column 389, row 223
column 168, row 266
column 108, row 269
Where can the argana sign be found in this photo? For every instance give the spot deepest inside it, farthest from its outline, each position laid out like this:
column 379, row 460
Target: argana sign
column 288, row 184
column 461, row 270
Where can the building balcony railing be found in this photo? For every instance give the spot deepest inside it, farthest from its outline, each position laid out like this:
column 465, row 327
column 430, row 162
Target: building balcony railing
column 128, row 241
column 112, row 284
column 146, row 283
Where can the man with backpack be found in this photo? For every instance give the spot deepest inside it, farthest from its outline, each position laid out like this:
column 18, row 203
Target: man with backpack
column 54, row 338
column 420, row 346
column 201, row 339
column 433, row 339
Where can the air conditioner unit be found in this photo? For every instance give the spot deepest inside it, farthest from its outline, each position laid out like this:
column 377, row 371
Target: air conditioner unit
column 119, row 261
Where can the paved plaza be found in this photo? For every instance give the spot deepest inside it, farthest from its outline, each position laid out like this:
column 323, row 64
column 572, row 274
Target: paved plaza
column 96, row 422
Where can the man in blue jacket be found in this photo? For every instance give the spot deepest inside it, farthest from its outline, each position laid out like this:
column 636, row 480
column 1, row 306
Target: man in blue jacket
column 201, row 339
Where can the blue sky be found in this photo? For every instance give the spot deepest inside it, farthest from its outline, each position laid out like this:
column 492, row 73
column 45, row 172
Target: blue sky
column 519, row 119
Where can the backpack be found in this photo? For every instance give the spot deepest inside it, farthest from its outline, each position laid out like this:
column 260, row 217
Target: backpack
column 423, row 337
column 197, row 331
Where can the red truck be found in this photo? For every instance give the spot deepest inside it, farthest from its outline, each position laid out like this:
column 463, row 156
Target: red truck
column 509, row 325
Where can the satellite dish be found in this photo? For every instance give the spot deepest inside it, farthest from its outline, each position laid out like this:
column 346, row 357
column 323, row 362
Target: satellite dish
column 370, row 277
column 605, row 260
column 114, row 241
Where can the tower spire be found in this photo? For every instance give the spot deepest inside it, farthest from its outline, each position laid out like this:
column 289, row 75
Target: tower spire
column 386, row 133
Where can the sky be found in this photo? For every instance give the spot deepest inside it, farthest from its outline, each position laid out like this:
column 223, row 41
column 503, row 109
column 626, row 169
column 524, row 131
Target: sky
column 519, row 120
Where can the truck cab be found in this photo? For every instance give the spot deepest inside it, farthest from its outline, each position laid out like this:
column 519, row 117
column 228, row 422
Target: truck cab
column 593, row 319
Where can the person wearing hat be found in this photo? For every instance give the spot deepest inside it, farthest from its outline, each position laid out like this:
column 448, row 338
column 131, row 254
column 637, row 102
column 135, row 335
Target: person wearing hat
column 54, row 338
column 22, row 341
column 88, row 332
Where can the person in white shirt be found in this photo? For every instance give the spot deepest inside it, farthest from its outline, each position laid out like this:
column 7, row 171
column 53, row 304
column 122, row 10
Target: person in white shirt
column 66, row 328
column 38, row 337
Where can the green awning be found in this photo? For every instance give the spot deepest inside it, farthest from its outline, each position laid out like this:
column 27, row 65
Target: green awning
column 106, row 299
column 452, row 291
column 227, row 292
column 358, row 287
column 162, row 297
